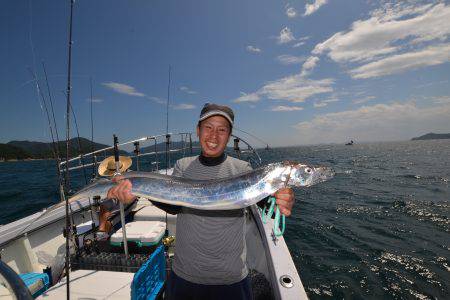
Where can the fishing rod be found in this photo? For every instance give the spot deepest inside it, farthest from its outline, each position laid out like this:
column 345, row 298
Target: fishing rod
column 66, row 175
column 79, row 143
column 122, row 209
column 51, row 106
column 167, row 123
column 44, row 103
column 166, row 232
column 92, row 131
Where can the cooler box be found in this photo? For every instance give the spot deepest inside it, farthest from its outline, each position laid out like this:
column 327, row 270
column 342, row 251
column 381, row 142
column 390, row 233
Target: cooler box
column 143, row 233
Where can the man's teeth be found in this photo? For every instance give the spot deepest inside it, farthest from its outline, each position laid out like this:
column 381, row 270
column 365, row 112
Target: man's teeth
column 211, row 145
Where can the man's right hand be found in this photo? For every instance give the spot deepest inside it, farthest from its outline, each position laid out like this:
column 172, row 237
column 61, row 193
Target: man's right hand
column 122, row 191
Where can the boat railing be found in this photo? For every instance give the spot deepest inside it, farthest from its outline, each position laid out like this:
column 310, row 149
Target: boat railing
column 159, row 149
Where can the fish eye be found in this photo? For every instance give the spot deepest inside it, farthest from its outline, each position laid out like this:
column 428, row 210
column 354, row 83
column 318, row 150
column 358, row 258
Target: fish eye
column 308, row 170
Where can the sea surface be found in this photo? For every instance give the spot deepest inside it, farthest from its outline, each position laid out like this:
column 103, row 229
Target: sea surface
column 379, row 230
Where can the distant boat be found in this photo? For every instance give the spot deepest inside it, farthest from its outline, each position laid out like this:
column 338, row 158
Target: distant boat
column 349, row 143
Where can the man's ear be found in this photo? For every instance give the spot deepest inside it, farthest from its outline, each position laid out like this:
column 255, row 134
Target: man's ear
column 198, row 130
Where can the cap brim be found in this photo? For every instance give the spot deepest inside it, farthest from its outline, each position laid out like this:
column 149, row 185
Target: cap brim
column 216, row 113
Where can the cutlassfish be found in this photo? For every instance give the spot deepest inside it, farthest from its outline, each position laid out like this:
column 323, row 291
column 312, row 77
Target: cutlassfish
column 224, row 194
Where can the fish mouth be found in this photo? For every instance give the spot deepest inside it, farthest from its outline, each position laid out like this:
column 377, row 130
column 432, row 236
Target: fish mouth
column 323, row 174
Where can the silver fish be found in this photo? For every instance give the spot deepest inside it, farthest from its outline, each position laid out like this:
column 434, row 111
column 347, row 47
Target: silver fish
column 224, row 194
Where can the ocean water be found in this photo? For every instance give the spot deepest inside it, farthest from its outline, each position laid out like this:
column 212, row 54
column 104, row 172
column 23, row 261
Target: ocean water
column 379, row 230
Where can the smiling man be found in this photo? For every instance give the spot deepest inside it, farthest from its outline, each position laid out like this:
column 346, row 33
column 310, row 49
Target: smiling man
column 210, row 252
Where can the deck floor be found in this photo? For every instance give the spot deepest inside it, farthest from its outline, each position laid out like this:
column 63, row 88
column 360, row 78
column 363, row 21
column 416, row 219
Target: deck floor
column 89, row 284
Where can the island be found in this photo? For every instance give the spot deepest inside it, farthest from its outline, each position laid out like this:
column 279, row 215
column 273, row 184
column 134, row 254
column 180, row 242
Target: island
column 30, row 150
column 432, row 136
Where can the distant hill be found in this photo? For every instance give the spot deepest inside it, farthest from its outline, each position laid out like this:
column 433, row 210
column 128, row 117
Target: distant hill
column 44, row 150
column 10, row 152
column 432, row 136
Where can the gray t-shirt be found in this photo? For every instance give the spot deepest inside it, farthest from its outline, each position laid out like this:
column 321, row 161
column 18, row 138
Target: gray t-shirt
column 210, row 245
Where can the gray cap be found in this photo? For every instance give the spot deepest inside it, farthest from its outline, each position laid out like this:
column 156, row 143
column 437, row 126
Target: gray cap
column 212, row 109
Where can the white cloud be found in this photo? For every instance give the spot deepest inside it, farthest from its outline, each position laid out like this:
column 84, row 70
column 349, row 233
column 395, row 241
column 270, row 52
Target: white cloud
column 287, row 59
column 183, row 106
column 398, row 121
column 387, row 31
column 157, row 100
column 291, row 12
column 363, row 100
column 292, row 88
column 286, row 108
column 187, row 90
column 94, row 100
column 295, row 88
column 123, row 89
column 285, row 36
column 320, row 104
column 300, row 41
column 253, row 49
column 325, row 102
column 296, row 45
column 252, row 97
column 313, row 7
column 432, row 55
column 441, row 99
column 309, row 65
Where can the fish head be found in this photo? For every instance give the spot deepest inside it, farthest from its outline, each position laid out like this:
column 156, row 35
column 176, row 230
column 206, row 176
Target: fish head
column 305, row 175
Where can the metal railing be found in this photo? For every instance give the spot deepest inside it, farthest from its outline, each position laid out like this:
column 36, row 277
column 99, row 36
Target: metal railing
column 179, row 145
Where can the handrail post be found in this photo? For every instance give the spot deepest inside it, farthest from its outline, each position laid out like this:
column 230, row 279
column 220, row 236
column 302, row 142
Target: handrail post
column 236, row 147
column 137, row 151
column 122, row 209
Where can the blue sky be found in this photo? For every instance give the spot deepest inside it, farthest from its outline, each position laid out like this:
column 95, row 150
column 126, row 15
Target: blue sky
column 298, row 72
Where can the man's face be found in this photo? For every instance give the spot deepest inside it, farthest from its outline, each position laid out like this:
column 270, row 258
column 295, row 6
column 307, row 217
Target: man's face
column 213, row 134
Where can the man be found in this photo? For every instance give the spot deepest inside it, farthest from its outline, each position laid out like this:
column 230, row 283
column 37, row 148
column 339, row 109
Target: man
column 210, row 252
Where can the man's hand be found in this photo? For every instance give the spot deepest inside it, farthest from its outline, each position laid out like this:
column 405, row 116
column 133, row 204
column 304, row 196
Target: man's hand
column 104, row 223
column 285, row 200
column 122, row 191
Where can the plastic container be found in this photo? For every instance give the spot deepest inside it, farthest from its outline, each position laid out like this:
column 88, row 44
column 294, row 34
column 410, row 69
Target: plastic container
column 149, row 279
column 37, row 283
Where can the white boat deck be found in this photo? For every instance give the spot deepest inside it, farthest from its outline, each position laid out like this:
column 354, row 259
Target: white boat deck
column 89, row 284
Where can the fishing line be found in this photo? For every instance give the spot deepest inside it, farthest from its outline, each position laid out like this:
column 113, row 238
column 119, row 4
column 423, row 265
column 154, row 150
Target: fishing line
column 79, row 143
column 39, row 92
column 51, row 106
column 253, row 136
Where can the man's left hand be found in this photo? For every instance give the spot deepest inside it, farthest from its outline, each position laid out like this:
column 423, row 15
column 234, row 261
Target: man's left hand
column 285, row 200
